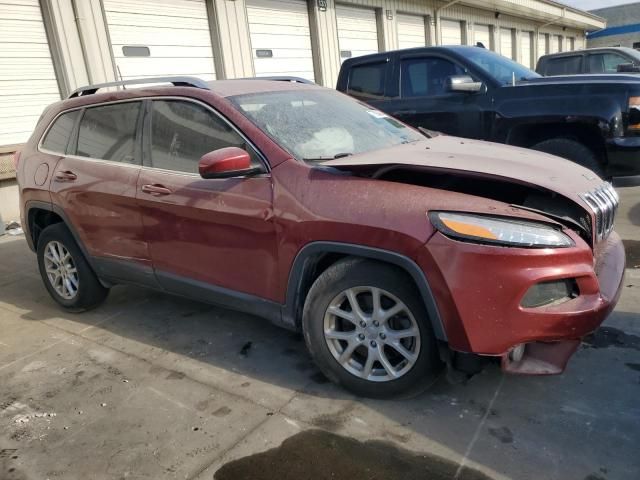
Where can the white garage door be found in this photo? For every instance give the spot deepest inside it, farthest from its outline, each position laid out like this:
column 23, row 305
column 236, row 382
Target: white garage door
column 525, row 49
column 357, row 31
column 542, row 44
column 160, row 37
column 556, row 41
column 506, row 42
column 27, row 79
column 451, row 32
column 411, row 31
column 482, row 34
column 280, row 38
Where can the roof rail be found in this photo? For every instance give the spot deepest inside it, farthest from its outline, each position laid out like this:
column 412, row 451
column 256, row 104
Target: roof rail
column 282, row 78
column 176, row 81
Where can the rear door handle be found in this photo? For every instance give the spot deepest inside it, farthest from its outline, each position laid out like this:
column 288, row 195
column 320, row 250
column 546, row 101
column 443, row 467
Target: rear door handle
column 156, row 190
column 65, row 176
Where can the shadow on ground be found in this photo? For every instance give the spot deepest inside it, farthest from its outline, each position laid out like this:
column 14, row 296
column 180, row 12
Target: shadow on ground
column 569, row 426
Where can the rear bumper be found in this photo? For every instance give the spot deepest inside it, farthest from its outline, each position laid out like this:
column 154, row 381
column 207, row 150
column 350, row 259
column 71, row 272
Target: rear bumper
column 480, row 289
column 623, row 154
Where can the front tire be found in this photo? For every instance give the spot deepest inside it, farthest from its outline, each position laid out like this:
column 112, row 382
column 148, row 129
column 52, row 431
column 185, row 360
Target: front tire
column 571, row 150
column 65, row 272
column 367, row 329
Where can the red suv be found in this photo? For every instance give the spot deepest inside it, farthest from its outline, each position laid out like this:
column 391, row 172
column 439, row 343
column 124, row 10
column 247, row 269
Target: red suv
column 393, row 250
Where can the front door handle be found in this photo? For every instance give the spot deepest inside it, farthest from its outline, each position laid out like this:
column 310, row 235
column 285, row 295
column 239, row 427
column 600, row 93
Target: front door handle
column 156, row 190
column 65, row 176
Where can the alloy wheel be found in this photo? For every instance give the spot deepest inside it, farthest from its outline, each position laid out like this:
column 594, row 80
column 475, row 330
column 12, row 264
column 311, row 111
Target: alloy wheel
column 61, row 270
column 372, row 334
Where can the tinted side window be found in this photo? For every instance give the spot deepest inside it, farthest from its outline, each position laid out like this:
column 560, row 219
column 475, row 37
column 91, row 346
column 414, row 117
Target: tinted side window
column 367, row 81
column 564, row 66
column 181, row 132
column 58, row 135
column 605, row 62
column 427, row 76
column 109, row 132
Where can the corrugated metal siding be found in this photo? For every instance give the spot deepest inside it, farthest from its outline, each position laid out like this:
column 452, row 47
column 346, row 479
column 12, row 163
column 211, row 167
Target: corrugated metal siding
column 233, row 38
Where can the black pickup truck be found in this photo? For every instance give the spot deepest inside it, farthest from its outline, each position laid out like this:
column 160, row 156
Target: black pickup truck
column 593, row 120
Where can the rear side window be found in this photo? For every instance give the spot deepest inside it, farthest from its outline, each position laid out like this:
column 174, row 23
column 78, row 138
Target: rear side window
column 57, row 138
column 108, row 132
column 367, row 81
column 182, row 132
column 564, row 66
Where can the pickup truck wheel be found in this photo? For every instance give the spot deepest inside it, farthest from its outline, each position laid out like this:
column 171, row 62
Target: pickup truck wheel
column 367, row 329
column 65, row 272
column 571, row 150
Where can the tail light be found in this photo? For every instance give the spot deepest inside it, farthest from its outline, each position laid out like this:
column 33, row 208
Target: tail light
column 16, row 159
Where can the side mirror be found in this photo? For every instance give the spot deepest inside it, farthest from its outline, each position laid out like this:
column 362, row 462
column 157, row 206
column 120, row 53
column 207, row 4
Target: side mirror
column 463, row 83
column 628, row 68
column 226, row 162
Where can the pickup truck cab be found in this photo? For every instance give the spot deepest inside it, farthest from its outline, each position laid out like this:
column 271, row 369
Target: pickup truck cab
column 592, row 60
column 475, row 93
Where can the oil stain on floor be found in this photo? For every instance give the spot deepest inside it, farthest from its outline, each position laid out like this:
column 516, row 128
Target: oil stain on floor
column 320, row 455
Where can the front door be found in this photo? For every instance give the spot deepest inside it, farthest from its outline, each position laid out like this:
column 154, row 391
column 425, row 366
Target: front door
column 213, row 235
column 425, row 101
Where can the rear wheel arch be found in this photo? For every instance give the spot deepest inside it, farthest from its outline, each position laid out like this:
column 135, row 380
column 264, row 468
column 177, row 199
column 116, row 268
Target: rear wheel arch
column 40, row 216
column 316, row 257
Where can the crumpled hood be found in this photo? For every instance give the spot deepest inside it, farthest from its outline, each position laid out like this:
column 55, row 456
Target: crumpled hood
column 485, row 159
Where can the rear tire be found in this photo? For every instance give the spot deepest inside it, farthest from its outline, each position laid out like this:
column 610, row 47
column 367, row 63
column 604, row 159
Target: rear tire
column 571, row 150
column 382, row 348
column 65, row 272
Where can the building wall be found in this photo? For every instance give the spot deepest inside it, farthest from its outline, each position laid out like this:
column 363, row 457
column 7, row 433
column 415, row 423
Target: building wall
column 626, row 40
column 81, row 52
column 620, row 15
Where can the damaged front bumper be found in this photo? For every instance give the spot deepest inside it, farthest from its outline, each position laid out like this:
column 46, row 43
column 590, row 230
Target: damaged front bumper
column 481, row 290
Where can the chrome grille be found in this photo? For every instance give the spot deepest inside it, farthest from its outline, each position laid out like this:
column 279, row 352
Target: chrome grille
column 604, row 202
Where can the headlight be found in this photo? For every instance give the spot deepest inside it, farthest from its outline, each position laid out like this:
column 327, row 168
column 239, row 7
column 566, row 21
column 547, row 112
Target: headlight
column 498, row 231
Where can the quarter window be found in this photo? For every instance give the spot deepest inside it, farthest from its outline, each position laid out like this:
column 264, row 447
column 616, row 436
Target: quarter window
column 367, row 81
column 57, row 138
column 108, row 132
column 427, row 76
column 182, row 132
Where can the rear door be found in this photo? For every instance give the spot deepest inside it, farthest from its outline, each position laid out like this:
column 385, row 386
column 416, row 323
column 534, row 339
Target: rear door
column 214, row 235
column 95, row 184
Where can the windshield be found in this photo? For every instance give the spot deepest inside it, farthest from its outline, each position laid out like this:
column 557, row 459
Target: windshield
column 503, row 69
column 316, row 125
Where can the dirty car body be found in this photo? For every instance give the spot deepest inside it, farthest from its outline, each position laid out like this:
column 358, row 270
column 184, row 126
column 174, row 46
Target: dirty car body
column 486, row 250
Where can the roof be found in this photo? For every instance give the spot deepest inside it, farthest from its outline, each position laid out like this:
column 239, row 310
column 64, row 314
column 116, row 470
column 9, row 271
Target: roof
column 619, row 30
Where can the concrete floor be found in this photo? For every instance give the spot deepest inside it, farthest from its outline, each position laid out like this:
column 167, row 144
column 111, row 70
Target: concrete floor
column 150, row 386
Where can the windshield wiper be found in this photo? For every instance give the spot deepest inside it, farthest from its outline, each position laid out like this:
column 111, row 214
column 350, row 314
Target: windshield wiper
column 323, row 159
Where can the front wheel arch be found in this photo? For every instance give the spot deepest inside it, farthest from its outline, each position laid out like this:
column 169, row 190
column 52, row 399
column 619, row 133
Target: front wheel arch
column 303, row 273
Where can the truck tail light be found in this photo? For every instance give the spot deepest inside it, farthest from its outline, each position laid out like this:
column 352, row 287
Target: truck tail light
column 634, row 114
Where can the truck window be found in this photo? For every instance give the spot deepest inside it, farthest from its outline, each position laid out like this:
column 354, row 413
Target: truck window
column 605, row 62
column 426, row 76
column 564, row 65
column 367, row 81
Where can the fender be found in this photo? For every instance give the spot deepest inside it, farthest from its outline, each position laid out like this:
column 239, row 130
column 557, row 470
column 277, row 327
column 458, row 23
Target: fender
column 292, row 308
column 600, row 110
